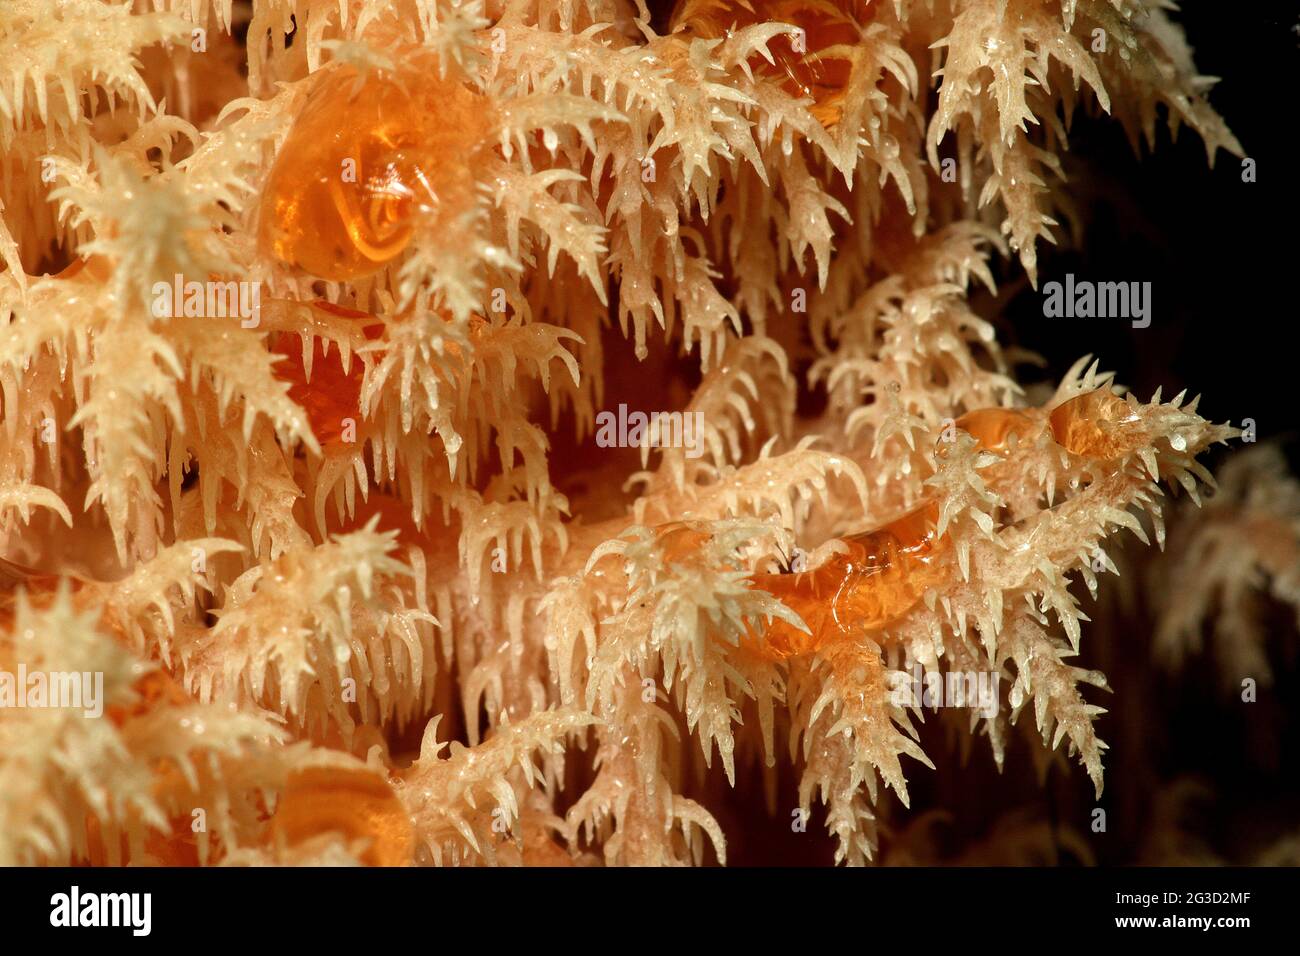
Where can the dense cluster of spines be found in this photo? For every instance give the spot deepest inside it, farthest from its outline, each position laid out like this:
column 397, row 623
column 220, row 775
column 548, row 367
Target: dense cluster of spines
column 341, row 592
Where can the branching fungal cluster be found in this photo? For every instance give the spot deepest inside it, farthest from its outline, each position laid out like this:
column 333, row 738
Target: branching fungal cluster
column 335, row 527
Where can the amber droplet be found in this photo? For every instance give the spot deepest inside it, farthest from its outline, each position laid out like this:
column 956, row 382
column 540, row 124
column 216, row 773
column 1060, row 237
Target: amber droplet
column 803, row 63
column 1095, row 424
column 880, row 577
column 357, row 804
column 368, row 154
column 333, row 395
column 993, row 427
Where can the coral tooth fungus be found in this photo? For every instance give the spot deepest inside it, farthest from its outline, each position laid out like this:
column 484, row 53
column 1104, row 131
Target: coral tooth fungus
column 881, row 574
column 375, row 582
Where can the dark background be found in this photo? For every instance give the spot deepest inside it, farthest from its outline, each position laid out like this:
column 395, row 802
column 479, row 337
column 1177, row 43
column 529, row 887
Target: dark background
column 1220, row 253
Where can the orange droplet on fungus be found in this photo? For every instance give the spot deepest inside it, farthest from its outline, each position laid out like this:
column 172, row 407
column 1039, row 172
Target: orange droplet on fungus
column 880, row 577
column 368, row 155
column 1094, row 424
column 993, row 427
